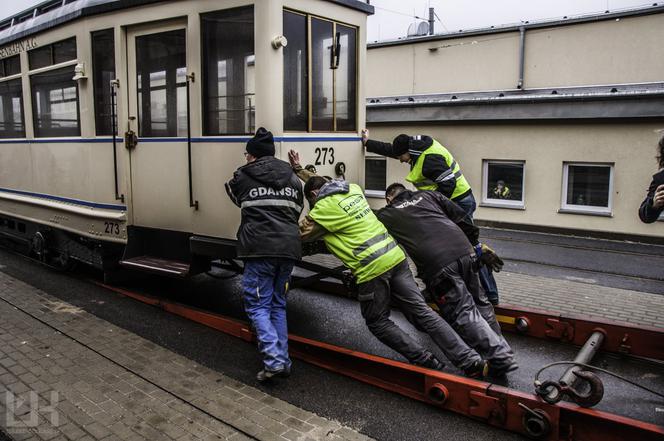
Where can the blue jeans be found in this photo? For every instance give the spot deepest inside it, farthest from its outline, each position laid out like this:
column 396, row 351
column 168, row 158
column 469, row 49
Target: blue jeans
column 264, row 284
column 486, row 275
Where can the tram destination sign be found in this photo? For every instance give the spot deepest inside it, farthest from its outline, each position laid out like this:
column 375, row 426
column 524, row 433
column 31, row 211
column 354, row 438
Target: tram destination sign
column 17, row 47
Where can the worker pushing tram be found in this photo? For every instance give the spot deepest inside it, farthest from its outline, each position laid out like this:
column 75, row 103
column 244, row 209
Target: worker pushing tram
column 432, row 167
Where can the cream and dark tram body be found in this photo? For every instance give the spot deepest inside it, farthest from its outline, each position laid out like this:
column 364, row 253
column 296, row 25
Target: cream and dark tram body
column 183, row 85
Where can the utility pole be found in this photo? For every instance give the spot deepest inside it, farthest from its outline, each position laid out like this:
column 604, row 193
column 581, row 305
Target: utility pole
column 431, row 15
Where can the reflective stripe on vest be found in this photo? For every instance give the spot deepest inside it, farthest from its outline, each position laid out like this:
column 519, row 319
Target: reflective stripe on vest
column 271, row 203
column 378, row 253
column 454, row 172
column 369, row 243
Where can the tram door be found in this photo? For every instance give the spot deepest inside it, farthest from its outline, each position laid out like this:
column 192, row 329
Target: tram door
column 157, row 96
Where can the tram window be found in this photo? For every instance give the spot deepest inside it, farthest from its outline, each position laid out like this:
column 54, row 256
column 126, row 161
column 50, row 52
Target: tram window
column 40, row 57
column 64, row 51
column 333, row 69
column 228, row 68
column 55, row 103
column 11, row 109
column 346, row 93
column 322, row 78
column 10, row 66
column 161, row 68
column 296, row 107
column 103, row 71
column 54, row 53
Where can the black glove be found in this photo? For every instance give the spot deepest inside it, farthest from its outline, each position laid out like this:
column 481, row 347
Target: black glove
column 491, row 259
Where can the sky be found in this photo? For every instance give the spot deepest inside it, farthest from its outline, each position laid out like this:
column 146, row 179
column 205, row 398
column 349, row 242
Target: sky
column 393, row 17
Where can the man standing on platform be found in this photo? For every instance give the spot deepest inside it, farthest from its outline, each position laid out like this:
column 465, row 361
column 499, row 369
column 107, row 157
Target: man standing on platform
column 270, row 197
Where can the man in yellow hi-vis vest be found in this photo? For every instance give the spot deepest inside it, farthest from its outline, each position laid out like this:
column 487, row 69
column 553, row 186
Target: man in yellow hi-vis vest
column 341, row 216
column 432, row 167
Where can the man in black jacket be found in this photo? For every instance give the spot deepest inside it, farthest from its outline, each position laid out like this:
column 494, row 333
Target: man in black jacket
column 439, row 236
column 653, row 205
column 271, row 199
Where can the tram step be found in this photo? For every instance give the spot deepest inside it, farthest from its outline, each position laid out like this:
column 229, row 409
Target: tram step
column 157, row 265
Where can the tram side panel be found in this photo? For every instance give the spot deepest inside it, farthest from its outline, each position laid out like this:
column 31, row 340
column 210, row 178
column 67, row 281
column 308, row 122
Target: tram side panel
column 215, row 164
column 67, row 185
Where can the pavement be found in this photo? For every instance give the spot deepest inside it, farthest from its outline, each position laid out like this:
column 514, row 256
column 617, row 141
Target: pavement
column 66, row 374
column 184, row 360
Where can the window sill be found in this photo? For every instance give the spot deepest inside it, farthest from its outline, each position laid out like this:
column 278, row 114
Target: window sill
column 508, row 206
column 585, row 212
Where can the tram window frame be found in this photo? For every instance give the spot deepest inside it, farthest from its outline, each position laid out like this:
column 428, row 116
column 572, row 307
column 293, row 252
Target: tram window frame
column 54, row 53
column 48, row 131
column 350, row 124
column 212, row 30
column 17, row 92
column 488, row 201
column 595, row 210
column 101, row 83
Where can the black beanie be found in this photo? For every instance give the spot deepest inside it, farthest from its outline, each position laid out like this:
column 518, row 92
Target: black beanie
column 262, row 144
column 401, row 144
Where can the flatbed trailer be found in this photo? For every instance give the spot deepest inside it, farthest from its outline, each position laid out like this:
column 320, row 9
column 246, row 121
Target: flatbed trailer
column 538, row 338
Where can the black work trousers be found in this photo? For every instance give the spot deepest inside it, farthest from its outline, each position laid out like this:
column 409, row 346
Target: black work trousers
column 399, row 286
column 463, row 303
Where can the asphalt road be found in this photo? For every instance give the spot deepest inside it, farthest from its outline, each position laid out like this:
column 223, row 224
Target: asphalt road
column 376, row 413
column 625, row 265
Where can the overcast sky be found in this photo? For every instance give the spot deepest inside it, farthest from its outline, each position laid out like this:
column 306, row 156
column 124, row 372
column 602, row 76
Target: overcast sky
column 393, row 17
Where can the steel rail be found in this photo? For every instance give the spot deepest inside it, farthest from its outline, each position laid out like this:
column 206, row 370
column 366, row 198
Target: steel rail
column 498, row 406
column 619, row 337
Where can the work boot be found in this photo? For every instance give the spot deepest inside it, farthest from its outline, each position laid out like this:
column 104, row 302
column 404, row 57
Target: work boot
column 497, row 370
column 431, row 362
column 266, row 375
column 478, row 370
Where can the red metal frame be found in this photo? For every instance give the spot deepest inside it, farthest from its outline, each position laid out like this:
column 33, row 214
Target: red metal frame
column 495, row 405
column 619, row 337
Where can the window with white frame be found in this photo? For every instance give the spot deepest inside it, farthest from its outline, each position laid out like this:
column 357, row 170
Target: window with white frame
column 375, row 176
column 503, row 183
column 587, row 188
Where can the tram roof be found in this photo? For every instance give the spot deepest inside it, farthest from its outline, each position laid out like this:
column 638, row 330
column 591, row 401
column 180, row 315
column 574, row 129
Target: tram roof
column 52, row 13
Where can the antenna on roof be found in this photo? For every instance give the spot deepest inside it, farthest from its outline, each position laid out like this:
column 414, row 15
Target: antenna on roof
column 418, row 29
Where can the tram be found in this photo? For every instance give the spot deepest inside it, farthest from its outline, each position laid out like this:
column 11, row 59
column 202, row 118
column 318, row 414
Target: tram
column 120, row 121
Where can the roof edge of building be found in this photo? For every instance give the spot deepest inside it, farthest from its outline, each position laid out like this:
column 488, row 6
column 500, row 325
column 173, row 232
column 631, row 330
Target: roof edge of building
column 650, row 10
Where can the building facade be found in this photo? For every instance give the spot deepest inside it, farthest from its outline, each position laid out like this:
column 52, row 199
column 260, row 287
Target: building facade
column 555, row 124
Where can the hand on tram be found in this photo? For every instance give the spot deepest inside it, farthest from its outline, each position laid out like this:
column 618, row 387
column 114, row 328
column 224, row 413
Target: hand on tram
column 293, row 158
column 365, row 136
column 658, row 199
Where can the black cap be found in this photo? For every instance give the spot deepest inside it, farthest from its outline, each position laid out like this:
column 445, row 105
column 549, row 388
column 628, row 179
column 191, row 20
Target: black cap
column 401, row 144
column 262, row 144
